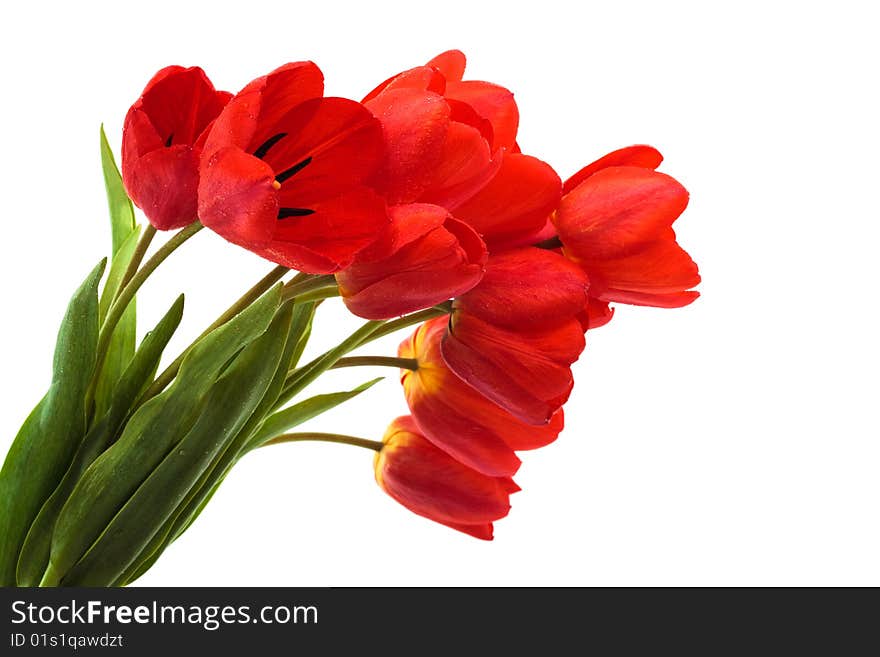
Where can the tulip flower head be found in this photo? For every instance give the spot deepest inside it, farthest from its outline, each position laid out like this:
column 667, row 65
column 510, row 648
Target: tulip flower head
column 284, row 171
column 615, row 221
column 162, row 140
column 430, row 483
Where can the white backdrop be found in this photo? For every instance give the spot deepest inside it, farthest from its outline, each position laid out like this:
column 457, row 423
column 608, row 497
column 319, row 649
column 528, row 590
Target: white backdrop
column 734, row 442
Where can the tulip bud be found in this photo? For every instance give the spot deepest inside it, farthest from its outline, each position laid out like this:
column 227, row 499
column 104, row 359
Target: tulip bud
column 617, row 225
column 459, row 419
column 432, row 484
column 162, row 140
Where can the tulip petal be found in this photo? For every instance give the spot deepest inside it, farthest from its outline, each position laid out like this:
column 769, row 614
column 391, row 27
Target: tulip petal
column 483, row 532
column 462, row 437
column 415, row 124
column 340, row 141
column 526, row 372
column 526, row 287
column 492, row 102
column 451, row 64
column 516, row 202
column 164, row 184
column 424, row 78
column 617, row 210
column 595, row 314
column 646, row 157
column 660, row 268
column 285, row 87
column 237, row 199
column 432, row 257
column 464, row 167
column 429, row 482
column 328, row 239
column 443, row 405
column 181, row 102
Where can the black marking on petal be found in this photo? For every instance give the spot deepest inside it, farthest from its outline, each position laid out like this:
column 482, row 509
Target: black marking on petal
column 292, row 171
column 169, row 140
column 284, row 213
column 269, row 143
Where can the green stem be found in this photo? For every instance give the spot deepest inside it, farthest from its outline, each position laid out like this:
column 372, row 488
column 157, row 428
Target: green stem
column 381, row 361
column 369, row 331
column 410, row 320
column 300, row 286
column 315, row 295
column 243, row 302
column 127, row 293
column 137, row 257
column 375, row 445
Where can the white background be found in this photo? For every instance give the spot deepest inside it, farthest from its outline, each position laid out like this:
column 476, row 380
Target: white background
column 734, row 442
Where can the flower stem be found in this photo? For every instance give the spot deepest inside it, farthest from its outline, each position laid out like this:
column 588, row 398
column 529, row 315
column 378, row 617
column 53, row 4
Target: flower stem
column 126, row 294
column 137, row 257
column 315, row 295
column 369, row 331
column 246, row 300
column 409, row 320
column 375, row 445
column 382, row 361
column 299, row 287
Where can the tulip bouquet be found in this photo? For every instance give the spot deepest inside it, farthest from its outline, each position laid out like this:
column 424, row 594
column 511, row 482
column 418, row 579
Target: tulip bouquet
column 418, row 208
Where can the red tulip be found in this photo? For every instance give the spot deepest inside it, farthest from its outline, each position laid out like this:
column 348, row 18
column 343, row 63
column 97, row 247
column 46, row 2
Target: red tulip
column 162, row 141
column 433, row 257
column 457, row 418
column 432, row 484
column 284, row 170
column 616, row 223
column 515, row 335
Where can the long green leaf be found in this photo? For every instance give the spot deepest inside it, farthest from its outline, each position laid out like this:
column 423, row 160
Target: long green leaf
column 307, row 409
column 35, row 551
column 231, row 402
column 121, row 209
column 43, row 448
column 124, row 235
column 149, row 435
column 210, row 479
column 204, row 488
column 121, row 349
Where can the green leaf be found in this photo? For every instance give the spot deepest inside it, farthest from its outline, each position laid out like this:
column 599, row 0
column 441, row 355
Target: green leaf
column 42, row 450
column 150, row 434
column 118, row 265
column 121, row 209
column 211, row 478
column 231, row 402
column 35, row 551
column 295, row 415
column 122, row 344
column 124, row 242
column 302, row 325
